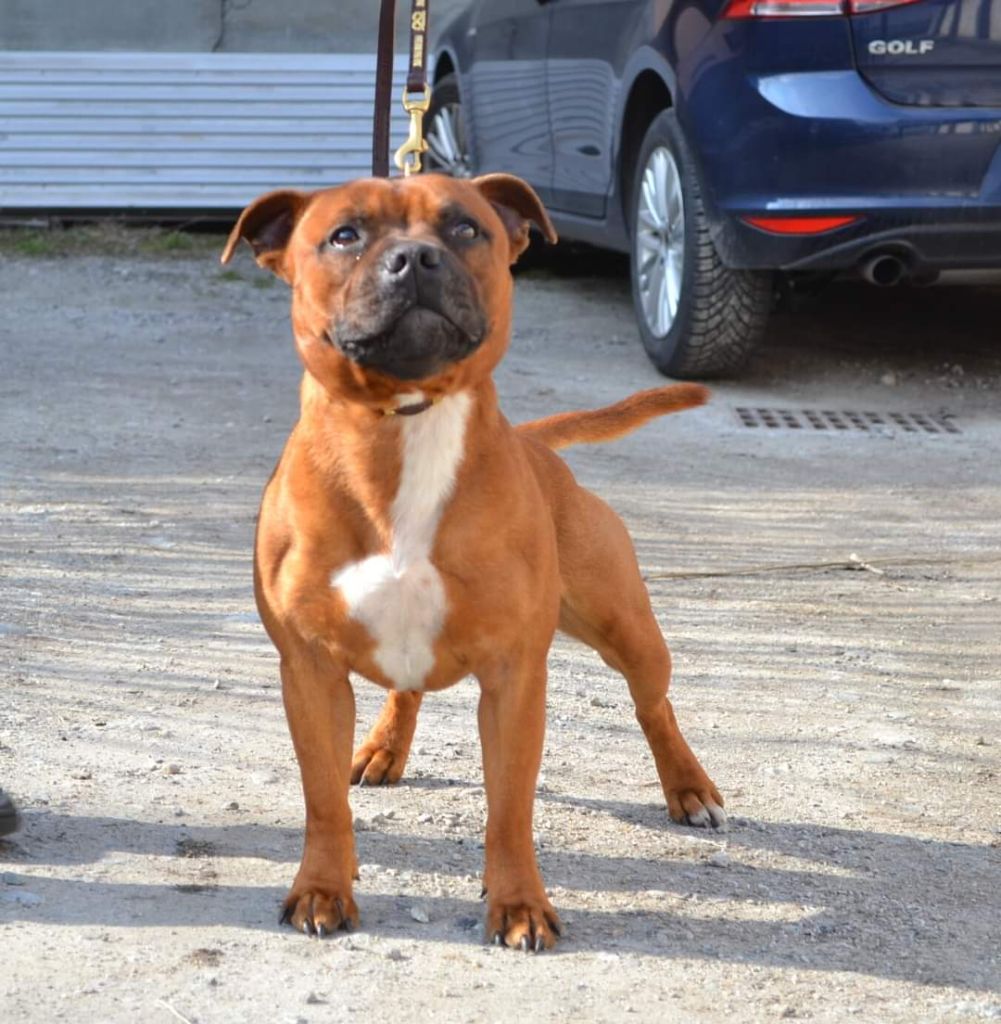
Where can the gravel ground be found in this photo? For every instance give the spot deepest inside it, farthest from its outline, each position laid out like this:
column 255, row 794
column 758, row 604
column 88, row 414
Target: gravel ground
column 831, row 599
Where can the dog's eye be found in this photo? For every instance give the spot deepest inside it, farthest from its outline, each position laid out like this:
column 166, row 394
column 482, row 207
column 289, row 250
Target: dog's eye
column 344, row 235
column 465, row 231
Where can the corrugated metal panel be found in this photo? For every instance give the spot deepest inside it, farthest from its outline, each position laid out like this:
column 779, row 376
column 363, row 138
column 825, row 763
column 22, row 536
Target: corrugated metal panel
column 186, row 131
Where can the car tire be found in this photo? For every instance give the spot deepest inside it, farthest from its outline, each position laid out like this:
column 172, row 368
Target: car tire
column 697, row 318
column 445, row 131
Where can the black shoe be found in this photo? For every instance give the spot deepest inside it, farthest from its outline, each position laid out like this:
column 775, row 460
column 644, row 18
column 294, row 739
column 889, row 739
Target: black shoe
column 10, row 820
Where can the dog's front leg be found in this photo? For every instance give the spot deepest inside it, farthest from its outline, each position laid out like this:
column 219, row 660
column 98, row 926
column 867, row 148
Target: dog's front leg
column 512, row 726
column 320, row 706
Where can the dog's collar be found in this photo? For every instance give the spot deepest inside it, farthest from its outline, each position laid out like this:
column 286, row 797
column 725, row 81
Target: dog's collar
column 411, row 410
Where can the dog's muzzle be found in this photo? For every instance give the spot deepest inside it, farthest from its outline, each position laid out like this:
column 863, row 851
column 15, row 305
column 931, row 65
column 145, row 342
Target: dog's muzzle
column 417, row 315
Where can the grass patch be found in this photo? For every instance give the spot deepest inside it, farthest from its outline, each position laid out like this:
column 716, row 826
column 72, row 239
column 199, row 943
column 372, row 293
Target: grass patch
column 169, row 241
column 33, row 243
column 229, row 275
column 108, row 238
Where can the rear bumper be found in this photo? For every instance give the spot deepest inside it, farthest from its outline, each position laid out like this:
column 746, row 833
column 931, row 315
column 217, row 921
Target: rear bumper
column 922, row 238
column 925, row 182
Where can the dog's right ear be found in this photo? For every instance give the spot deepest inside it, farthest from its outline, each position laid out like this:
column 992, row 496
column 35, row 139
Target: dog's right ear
column 267, row 224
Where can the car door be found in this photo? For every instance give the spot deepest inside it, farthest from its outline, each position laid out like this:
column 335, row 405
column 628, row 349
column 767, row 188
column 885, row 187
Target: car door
column 586, row 53
column 507, row 91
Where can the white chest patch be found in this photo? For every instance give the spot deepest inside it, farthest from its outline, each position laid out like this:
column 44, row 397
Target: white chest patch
column 399, row 596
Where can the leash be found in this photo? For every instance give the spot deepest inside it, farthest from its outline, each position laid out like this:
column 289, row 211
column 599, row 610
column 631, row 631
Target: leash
column 416, row 91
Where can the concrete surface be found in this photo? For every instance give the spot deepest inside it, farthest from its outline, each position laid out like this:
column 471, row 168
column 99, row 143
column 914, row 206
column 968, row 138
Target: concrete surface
column 848, row 711
column 256, row 26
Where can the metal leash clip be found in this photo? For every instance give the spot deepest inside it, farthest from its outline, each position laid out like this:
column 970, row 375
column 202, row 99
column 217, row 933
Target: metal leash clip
column 416, row 106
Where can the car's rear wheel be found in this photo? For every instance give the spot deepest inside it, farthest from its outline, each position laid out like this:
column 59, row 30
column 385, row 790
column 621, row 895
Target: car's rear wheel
column 697, row 317
column 445, row 131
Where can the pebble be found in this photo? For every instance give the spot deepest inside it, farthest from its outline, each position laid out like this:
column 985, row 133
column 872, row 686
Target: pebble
column 171, row 769
column 9, row 878
column 420, row 914
column 889, row 379
column 719, row 859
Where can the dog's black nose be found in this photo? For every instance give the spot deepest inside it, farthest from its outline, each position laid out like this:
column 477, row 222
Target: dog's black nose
column 411, row 257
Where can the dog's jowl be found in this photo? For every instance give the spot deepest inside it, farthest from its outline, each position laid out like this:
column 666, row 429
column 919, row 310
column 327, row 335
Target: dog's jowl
column 412, row 536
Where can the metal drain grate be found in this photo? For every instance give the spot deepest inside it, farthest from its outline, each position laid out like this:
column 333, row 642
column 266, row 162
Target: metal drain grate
column 845, row 420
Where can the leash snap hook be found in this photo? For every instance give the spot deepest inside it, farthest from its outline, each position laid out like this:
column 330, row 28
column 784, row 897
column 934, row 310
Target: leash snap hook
column 408, row 156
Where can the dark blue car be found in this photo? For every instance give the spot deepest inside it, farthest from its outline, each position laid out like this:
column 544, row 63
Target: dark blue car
column 721, row 141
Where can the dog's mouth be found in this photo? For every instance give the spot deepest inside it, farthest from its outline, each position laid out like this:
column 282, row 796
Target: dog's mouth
column 418, row 344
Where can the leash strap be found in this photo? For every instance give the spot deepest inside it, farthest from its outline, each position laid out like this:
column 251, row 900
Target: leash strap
column 383, row 90
column 417, row 92
column 417, row 73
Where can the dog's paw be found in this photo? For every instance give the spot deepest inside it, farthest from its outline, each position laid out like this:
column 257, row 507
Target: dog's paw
column 314, row 911
column 376, row 764
column 700, row 807
column 529, row 925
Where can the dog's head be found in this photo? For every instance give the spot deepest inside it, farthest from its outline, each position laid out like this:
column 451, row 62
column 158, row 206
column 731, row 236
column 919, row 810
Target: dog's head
column 397, row 284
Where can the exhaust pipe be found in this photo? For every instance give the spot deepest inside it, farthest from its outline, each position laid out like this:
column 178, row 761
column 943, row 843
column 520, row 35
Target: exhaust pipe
column 885, row 270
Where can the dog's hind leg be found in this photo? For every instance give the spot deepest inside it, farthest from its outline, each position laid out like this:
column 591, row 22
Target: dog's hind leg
column 606, row 605
column 383, row 756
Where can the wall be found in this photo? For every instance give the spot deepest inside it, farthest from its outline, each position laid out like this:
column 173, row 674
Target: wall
column 307, row 26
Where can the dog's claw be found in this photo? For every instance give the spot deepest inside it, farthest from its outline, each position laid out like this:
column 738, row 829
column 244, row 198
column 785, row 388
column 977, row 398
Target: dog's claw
column 523, row 945
column 498, row 939
column 540, row 944
column 321, row 931
column 346, row 923
column 285, row 916
column 483, row 893
column 711, row 815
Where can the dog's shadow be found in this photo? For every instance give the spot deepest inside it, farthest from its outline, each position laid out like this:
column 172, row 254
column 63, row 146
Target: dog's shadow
column 806, row 896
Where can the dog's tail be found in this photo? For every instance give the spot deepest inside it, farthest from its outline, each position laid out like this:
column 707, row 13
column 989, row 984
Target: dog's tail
column 613, row 421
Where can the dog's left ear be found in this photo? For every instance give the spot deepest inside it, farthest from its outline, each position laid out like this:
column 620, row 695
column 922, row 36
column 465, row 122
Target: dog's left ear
column 518, row 206
column 267, row 224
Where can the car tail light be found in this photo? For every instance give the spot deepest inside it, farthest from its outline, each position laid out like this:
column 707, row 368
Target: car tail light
column 866, row 6
column 806, row 8
column 800, row 225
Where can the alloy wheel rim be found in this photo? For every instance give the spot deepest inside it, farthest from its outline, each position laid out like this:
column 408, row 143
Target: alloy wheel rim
column 660, row 241
column 446, row 139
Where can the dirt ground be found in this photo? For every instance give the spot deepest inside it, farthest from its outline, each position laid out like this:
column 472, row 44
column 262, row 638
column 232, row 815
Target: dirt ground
column 849, row 714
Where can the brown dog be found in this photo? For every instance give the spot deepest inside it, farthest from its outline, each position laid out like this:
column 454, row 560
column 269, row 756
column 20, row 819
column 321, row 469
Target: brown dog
column 411, row 535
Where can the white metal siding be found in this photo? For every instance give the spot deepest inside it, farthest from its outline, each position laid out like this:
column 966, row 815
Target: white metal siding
column 128, row 131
